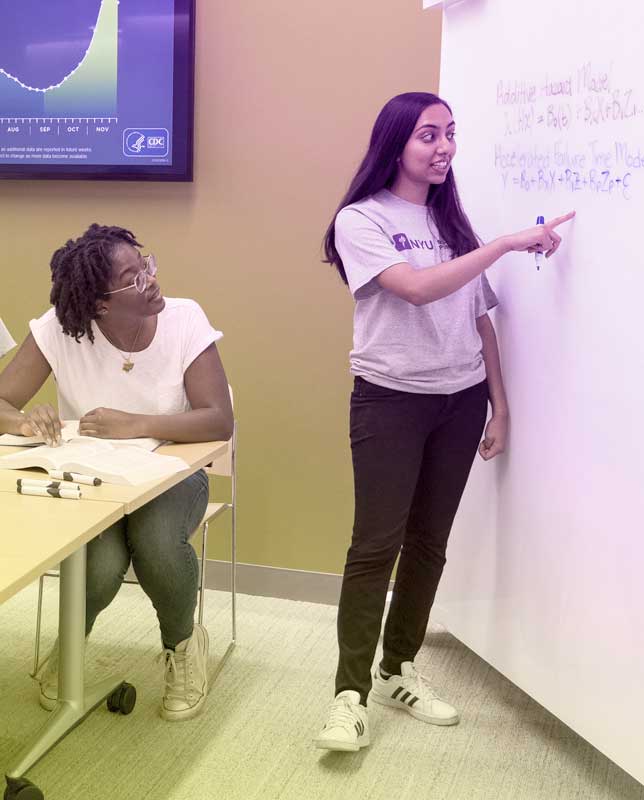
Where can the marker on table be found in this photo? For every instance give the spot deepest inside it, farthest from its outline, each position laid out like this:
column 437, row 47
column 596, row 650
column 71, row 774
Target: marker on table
column 538, row 257
column 41, row 491
column 47, row 484
column 74, row 476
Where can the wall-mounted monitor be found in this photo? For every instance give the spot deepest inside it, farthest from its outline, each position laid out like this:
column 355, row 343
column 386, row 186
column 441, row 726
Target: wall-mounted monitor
column 97, row 89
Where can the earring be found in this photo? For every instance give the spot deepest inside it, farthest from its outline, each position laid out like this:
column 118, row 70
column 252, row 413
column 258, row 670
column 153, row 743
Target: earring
column 102, row 312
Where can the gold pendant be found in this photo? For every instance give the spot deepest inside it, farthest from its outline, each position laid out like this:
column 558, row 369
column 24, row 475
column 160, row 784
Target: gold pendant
column 127, row 366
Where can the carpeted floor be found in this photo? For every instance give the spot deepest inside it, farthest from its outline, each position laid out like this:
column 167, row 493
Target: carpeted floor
column 254, row 740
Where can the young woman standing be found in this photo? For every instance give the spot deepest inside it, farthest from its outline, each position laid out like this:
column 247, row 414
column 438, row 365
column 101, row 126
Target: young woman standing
column 426, row 362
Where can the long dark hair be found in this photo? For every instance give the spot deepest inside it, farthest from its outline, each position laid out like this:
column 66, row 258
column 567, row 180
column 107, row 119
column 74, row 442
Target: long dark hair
column 391, row 132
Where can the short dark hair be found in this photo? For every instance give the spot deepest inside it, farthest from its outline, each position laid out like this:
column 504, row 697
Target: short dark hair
column 391, row 132
column 80, row 275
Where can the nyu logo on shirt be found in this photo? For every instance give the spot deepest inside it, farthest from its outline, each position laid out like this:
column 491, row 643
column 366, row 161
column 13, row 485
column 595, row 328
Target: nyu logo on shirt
column 403, row 242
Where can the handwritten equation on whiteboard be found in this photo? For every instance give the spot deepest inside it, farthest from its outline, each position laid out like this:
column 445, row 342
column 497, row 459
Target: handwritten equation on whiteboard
column 570, row 133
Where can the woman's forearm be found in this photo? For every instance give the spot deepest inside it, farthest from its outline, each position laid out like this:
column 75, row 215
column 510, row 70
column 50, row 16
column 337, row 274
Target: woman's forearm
column 446, row 278
column 490, row 350
column 10, row 418
column 198, row 425
column 422, row 286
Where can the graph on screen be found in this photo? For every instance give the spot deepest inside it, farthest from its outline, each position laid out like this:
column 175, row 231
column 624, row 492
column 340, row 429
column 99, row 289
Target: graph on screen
column 89, row 92
column 91, row 83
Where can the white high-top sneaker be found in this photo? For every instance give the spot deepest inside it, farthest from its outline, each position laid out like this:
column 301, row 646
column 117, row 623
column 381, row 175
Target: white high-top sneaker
column 411, row 692
column 347, row 725
column 186, row 677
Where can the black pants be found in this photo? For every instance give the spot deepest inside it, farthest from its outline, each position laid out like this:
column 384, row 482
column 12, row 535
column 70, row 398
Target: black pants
column 412, row 455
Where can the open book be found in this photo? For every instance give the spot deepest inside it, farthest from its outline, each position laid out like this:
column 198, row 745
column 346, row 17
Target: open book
column 113, row 461
column 69, row 433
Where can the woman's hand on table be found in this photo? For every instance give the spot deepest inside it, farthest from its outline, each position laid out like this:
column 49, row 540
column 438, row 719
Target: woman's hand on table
column 42, row 420
column 108, row 423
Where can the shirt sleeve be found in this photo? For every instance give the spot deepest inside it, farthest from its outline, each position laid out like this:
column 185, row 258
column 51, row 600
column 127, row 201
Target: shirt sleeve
column 365, row 249
column 45, row 330
column 199, row 334
column 486, row 298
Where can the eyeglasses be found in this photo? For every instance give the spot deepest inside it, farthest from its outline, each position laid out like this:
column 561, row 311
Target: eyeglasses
column 141, row 278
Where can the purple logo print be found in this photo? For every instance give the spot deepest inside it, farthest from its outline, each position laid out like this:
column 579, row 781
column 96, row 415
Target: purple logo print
column 401, row 241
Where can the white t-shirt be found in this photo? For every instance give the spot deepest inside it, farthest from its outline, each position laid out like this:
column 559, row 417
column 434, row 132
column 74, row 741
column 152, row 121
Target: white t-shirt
column 429, row 349
column 90, row 375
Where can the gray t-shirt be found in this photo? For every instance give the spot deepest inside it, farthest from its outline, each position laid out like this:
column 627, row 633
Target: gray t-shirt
column 429, row 349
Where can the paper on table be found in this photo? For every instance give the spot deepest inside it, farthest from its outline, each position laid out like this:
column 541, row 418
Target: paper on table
column 6, row 340
column 70, row 433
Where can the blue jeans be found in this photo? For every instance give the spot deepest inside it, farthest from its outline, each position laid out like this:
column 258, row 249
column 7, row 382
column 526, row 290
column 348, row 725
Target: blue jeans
column 155, row 539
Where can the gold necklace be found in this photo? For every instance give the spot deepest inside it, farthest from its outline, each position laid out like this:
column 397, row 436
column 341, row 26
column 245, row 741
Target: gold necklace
column 128, row 364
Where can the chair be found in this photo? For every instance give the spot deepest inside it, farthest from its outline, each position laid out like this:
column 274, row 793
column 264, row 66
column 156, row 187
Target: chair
column 223, row 466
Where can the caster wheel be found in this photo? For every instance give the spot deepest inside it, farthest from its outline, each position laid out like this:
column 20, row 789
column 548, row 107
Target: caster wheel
column 22, row 789
column 121, row 700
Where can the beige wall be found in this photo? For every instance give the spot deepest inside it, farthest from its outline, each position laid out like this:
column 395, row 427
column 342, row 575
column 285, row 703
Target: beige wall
column 286, row 96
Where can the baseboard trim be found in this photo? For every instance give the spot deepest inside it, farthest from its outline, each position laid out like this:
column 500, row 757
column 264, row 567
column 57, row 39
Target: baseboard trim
column 286, row 584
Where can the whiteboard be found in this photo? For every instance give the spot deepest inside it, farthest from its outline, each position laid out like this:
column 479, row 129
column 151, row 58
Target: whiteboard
column 545, row 574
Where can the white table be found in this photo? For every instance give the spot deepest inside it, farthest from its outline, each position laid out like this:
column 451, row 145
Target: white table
column 39, row 532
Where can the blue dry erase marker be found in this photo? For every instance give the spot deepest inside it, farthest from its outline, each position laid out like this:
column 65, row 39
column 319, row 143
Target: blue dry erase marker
column 538, row 257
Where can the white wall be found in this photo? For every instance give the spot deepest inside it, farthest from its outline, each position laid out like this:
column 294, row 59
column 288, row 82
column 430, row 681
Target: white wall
column 544, row 577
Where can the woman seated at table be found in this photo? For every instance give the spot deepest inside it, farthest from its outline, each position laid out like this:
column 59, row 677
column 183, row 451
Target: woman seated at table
column 129, row 363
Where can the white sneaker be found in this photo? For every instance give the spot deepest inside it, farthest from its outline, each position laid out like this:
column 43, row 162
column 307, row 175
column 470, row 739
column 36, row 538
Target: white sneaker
column 186, row 678
column 347, row 726
column 411, row 692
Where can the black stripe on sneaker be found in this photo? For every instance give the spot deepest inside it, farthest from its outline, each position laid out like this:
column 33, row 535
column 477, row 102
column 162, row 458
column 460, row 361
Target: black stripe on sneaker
column 359, row 727
column 403, row 698
column 397, row 692
column 413, row 700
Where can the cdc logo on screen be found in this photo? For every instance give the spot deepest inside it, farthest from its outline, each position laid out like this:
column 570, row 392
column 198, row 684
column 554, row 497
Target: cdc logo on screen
column 146, row 142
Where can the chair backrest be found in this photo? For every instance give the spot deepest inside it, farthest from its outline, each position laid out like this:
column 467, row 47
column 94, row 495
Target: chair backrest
column 223, row 465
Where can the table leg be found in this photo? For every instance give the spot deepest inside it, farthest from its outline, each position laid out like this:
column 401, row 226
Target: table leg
column 74, row 702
